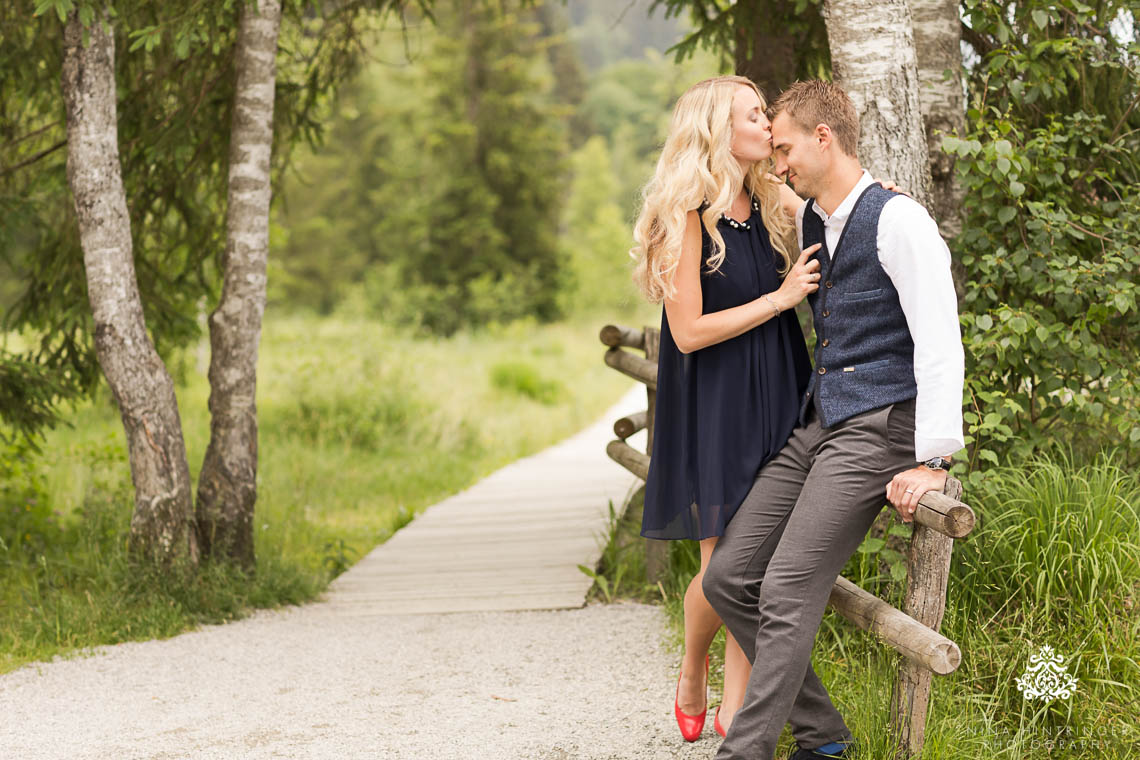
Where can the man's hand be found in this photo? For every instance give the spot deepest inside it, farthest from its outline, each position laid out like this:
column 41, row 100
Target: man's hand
column 906, row 488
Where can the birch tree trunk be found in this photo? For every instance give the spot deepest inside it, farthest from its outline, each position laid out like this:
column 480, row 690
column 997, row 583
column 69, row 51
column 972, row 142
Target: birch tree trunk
column 162, row 527
column 873, row 59
column 938, row 38
column 227, row 485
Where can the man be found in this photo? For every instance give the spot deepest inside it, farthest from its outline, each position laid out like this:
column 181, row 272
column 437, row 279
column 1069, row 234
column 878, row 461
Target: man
column 881, row 415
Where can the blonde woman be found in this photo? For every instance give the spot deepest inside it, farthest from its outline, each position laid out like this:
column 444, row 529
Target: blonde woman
column 715, row 242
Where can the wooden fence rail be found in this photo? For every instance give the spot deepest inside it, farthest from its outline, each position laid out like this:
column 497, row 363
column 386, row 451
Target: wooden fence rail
column 911, row 631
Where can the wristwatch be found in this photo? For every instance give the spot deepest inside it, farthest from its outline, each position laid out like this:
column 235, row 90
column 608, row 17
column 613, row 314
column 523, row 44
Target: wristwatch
column 937, row 463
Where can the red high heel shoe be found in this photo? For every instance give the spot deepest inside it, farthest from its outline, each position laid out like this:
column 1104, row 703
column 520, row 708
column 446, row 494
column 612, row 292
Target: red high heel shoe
column 716, row 723
column 691, row 725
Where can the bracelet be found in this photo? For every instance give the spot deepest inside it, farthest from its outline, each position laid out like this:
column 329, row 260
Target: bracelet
column 768, row 298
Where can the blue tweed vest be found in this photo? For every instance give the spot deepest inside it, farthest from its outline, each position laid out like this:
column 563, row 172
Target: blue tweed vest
column 864, row 355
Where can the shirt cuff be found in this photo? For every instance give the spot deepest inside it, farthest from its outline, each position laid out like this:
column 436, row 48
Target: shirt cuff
column 928, row 448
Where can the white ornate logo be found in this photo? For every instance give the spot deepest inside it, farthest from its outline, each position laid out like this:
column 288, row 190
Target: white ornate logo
column 1046, row 678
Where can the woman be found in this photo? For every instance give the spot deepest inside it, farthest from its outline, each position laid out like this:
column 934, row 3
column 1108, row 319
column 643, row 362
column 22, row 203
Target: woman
column 715, row 243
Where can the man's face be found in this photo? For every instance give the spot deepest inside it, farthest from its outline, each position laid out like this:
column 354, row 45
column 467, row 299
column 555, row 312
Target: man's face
column 797, row 154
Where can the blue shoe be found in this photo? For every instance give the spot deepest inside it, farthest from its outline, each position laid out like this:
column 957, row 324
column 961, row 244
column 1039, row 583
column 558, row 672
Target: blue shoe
column 833, row 750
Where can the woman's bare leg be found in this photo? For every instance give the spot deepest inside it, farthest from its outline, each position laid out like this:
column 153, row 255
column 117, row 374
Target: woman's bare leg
column 737, row 668
column 701, row 624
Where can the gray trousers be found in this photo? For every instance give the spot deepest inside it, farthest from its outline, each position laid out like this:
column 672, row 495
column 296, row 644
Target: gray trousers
column 771, row 573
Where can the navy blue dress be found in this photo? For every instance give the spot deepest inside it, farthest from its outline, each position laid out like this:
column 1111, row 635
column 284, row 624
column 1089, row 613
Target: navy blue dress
column 725, row 410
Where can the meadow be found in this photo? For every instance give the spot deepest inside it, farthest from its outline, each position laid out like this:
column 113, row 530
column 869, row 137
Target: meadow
column 361, row 427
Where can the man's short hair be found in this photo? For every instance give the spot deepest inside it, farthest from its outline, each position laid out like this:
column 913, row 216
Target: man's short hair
column 816, row 102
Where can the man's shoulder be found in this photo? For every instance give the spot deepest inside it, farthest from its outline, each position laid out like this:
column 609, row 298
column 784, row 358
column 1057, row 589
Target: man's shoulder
column 906, row 229
column 900, row 208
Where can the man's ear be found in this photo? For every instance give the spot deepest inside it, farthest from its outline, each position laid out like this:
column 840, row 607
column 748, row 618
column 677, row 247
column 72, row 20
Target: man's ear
column 823, row 135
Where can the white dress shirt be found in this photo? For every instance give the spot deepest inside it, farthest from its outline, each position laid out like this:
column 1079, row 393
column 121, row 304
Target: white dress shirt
column 916, row 258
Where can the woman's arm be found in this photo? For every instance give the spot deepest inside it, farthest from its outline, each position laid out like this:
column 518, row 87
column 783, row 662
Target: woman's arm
column 693, row 330
column 789, row 200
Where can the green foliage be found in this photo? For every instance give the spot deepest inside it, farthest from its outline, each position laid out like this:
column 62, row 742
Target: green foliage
column 734, row 30
column 1056, row 536
column 486, row 247
column 338, row 557
column 1055, row 560
column 452, row 217
column 351, row 418
column 27, row 523
column 617, row 559
column 879, row 564
column 28, row 393
column 350, row 235
column 361, row 427
column 621, row 570
column 175, row 78
column 524, row 380
column 1051, row 244
column 597, row 238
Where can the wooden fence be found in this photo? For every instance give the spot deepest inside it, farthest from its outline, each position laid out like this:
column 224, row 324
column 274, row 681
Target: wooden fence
column 913, row 630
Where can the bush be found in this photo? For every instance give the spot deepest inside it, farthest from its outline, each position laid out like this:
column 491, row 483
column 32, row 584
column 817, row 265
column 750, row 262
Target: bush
column 523, row 379
column 1051, row 302
column 1050, row 164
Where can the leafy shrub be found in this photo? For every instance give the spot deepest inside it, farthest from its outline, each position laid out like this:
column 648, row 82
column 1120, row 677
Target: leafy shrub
column 523, row 379
column 1050, row 164
column 1052, row 299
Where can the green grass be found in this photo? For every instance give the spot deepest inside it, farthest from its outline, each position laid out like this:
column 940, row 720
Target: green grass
column 1055, row 560
column 361, row 427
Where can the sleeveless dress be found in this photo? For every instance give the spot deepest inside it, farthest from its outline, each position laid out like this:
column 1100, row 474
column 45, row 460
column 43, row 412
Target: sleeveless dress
column 723, row 411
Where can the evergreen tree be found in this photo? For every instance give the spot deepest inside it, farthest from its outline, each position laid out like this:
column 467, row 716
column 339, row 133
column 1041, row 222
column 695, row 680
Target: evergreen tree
column 441, row 186
column 596, row 237
column 495, row 173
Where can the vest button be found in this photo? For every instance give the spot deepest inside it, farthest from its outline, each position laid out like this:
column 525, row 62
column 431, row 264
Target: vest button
column 829, row 284
column 826, row 313
column 826, row 341
column 823, row 370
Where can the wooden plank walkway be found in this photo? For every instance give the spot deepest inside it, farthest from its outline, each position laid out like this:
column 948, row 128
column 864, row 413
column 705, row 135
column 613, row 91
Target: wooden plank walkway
column 513, row 541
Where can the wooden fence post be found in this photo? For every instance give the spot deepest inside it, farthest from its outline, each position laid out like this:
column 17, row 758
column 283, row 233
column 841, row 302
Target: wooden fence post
column 928, row 562
column 656, row 552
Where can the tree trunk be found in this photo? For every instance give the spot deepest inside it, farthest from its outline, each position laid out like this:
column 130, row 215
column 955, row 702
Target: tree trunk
column 873, row 59
column 766, row 59
column 227, row 485
column 938, row 38
column 162, row 527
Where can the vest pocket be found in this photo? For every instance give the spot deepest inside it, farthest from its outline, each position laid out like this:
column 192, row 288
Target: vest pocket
column 863, row 295
column 865, row 367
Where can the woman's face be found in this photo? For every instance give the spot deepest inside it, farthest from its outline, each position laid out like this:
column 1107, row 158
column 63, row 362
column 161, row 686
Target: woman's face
column 751, row 130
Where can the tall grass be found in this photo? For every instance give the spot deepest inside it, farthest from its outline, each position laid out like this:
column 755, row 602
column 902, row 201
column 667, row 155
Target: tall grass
column 1055, row 560
column 1057, row 540
column 361, row 427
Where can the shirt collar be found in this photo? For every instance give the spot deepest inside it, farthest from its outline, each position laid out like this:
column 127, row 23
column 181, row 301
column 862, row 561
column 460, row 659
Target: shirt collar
column 848, row 203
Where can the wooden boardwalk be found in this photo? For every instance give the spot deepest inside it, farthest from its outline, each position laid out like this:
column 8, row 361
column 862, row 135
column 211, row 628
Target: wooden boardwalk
column 513, row 541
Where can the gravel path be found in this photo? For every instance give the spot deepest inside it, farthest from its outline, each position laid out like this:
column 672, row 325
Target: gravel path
column 589, row 683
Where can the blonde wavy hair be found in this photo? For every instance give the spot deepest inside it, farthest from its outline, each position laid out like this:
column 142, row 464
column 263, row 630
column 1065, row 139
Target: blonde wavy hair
column 697, row 167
